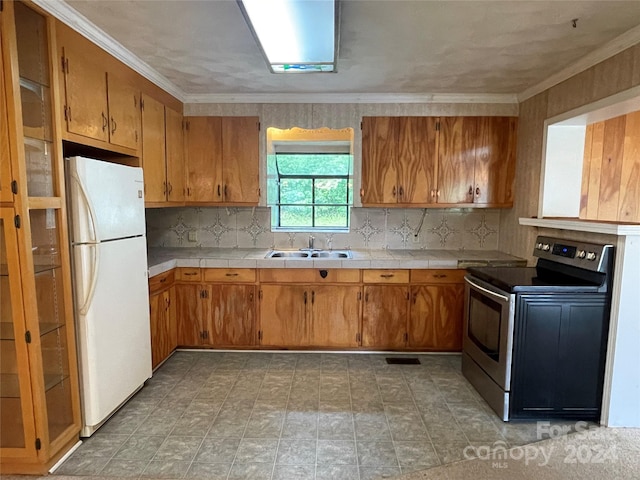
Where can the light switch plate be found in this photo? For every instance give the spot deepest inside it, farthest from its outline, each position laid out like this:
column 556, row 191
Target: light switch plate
column 192, row 235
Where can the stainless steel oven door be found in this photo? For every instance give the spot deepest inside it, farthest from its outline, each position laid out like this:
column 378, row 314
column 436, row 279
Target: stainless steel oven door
column 488, row 329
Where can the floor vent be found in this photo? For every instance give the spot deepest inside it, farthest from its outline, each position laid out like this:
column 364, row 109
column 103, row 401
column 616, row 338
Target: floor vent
column 403, row 361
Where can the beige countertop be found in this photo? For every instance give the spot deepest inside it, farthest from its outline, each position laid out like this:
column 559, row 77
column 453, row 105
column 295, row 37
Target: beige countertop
column 162, row 259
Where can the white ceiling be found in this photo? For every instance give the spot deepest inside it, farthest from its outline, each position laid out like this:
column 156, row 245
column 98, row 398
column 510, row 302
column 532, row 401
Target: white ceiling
column 204, row 47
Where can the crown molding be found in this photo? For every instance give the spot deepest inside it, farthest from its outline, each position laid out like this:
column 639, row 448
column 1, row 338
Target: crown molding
column 81, row 24
column 576, row 225
column 491, row 98
column 613, row 47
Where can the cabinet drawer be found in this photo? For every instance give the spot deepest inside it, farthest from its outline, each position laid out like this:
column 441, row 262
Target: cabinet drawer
column 309, row 275
column 438, row 276
column 161, row 281
column 230, row 275
column 189, row 274
column 385, row 276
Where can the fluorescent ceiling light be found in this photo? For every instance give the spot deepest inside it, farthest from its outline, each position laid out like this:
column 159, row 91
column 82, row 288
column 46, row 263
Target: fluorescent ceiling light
column 296, row 36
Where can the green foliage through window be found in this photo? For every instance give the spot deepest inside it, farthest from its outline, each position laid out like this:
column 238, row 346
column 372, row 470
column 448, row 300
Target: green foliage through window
column 310, row 190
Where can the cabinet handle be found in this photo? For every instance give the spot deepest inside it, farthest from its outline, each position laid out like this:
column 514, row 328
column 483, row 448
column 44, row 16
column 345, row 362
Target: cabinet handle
column 163, row 280
column 189, row 274
column 170, row 188
column 225, row 191
column 366, row 297
column 164, row 188
column 114, row 126
column 401, row 191
column 440, row 275
column 305, row 298
column 251, row 297
column 393, row 192
column 188, row 191
column 415, row 298
column 218, row 190
column 470, row 189
column 437, row 193
column 313, row 296
column 477, row 191
column 433, row 193
column 386, row 275
column 231, row 274
column 104, row 121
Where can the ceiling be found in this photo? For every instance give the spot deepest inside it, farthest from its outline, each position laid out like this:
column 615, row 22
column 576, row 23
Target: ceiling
column 204, row 47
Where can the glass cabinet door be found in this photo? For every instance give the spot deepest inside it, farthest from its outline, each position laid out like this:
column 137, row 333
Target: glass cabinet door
column 35, row 98
column 5, row 157
column 17, row 429
column 52, row 318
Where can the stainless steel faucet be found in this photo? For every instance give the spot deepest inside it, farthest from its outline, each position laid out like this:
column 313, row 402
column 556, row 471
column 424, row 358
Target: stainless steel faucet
column 311, row 239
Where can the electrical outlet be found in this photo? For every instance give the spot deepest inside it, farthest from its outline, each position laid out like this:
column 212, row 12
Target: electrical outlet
column 193, row 235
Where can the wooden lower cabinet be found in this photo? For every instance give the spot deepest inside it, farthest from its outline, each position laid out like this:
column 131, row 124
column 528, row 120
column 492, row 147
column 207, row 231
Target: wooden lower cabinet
column 310, row 315
column 372, row 309
column 163, row 325
column 215, row 315
column 283, row 316
column 232, row 320
column 436, row 310
column 435, row 321
column 384, row 316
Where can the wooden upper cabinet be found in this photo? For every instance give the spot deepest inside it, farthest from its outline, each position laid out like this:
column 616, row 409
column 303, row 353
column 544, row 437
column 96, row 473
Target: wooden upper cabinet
column 86, row 108
column 240, row 160
column 204, row 153
column 98, row 105
column 124, row 113
column 496, row 143
column 153, row 150
column 379, row 160
column 222, row 160
column 417, row 157
column 429, row 160
column 174, row 142
column 456, row 159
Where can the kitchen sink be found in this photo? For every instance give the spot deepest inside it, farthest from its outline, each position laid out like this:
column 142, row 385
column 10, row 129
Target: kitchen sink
column 309, row 254
column 331, row 254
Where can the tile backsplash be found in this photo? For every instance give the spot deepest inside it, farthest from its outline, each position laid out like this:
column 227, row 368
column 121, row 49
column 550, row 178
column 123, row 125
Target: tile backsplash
column 371, row 228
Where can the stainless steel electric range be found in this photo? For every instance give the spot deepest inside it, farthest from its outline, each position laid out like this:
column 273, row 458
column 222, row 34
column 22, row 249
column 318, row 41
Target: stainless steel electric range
column 534, row 340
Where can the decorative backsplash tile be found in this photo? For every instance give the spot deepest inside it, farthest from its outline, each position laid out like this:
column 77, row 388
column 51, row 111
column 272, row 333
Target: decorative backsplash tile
column 371, row 228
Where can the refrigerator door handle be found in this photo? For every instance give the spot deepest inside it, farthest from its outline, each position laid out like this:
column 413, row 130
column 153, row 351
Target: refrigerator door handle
column 85, row 199
column 94, row 277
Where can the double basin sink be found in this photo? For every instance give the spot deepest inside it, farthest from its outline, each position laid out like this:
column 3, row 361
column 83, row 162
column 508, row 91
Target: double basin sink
column 309, row 254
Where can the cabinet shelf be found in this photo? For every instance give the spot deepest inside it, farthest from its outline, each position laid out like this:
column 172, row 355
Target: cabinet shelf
column 7, row 333
column 44, row 268
column 10, row 383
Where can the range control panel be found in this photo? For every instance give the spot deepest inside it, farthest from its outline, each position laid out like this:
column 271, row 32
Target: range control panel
column 590, row 256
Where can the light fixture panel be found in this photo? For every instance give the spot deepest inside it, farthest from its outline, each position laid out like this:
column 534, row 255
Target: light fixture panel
column 295, row 36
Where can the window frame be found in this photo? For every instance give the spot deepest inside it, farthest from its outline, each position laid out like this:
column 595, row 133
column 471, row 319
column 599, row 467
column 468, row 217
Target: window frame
column 348, row 177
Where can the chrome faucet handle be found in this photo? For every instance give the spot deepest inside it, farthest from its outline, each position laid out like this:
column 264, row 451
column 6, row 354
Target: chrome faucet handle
column 311, row 239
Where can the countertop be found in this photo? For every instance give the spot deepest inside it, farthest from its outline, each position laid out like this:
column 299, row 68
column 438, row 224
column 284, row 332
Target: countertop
column 162, row 259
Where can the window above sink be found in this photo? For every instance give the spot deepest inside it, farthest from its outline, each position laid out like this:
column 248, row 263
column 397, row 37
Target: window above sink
column 310, row 179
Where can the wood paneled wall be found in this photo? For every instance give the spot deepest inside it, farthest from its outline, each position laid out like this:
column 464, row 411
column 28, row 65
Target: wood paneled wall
column 616, row 74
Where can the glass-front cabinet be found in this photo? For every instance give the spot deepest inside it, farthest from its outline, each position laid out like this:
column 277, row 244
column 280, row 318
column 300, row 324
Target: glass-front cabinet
column 39, row 380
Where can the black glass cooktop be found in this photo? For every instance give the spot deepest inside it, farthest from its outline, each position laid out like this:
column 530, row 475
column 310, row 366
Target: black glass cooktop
column 534, row 279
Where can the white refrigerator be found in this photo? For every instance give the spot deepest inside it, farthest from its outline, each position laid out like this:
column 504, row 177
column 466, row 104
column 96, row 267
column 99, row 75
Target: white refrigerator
column 109, row 252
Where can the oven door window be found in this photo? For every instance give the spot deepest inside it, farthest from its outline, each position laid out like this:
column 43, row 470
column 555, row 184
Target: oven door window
column 485, row 317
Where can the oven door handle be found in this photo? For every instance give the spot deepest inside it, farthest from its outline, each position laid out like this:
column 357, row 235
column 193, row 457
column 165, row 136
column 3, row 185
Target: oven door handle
column 488, row 292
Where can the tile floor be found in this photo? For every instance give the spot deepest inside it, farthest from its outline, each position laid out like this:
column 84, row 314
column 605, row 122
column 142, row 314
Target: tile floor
column 280, row 416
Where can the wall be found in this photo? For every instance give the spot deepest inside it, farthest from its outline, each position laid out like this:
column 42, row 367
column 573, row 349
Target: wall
column 618, row 73
column 371, row 228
